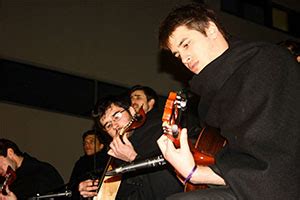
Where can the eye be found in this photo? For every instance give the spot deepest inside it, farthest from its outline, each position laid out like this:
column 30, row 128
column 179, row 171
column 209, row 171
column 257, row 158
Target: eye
column 186, row 45
column 108, row 126
column 117, row 116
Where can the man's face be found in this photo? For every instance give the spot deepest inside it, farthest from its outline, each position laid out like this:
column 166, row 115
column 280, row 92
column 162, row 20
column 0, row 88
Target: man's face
column 114, row 119
column 91, row 145
column 4, row 163
column 139, row 99
column 193, row 48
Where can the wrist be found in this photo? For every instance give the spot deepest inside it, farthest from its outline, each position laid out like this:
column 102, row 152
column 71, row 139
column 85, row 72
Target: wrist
column 132, row 157
column 190, row 175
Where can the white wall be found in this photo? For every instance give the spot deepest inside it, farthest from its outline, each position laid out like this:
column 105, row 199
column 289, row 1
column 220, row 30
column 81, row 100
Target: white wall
column 51, row 137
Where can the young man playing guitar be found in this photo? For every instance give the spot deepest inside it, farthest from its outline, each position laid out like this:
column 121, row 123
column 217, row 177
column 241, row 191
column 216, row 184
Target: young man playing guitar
column 250, row 92
column 113, row 114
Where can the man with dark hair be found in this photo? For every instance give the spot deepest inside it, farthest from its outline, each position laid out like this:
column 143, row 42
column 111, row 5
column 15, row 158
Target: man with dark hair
column 250, row 92
column 32, row 176
column 143, row 96
column 91, row 164
column 113, row 114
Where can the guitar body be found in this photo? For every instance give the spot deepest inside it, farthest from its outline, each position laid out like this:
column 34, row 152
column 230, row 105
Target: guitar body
column 109, row 187
column 209, row 142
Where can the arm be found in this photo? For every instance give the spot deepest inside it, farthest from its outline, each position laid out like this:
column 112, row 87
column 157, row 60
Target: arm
column 183, row 161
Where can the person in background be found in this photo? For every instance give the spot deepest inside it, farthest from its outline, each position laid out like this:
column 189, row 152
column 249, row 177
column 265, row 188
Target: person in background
column 32, row 176
column 91, row 164
column 250, row 93
column 143, row 96
column 293, row 46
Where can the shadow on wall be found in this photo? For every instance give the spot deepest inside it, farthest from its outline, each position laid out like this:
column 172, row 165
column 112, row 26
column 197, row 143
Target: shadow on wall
column 169, row 64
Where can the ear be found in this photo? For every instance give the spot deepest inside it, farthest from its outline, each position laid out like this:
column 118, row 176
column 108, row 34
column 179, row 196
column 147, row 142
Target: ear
column 10, row 153
column 212, row 30
column 151, row 103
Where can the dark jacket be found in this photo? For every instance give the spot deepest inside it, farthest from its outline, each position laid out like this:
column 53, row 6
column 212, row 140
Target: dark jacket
column 87, row 167
column 35, row 177
column 152, row 183
column 252, row 94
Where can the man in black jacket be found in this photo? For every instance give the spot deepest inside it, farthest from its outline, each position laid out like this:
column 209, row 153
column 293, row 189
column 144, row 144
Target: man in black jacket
column 32, row 176
column 250, row 92
column 91, row 164
column 157, row 183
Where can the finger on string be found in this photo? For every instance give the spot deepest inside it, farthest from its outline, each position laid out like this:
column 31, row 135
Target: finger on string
column 161, row 142
column 126, row 140
column 111, row 153
column 118, row 142
column 184, row 140
column 170, row 145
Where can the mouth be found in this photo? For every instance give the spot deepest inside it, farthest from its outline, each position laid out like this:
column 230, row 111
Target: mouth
column 192, row 66
column 136, row 106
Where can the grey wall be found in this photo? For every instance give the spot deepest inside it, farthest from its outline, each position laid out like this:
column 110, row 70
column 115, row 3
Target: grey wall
column 113, row 41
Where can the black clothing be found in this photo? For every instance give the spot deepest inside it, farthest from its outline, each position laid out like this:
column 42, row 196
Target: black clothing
column 252, row 93
column 35, row 177
column 87, row 167
column 152, row 183
column 221, row 192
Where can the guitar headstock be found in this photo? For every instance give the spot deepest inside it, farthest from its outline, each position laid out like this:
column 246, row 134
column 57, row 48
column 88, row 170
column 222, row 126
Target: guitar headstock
column 175, row 104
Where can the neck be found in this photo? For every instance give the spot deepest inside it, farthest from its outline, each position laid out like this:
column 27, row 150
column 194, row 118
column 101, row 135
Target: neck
column 19, row 161
column 222, row 45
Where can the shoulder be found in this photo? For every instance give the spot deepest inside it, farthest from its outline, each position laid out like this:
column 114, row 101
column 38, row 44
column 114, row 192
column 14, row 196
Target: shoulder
column 38, row 166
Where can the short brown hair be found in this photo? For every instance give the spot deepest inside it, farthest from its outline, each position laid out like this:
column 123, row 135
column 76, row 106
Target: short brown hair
column 194, row 16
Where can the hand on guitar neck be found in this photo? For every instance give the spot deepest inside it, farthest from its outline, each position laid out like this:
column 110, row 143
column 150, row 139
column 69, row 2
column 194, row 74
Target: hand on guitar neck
column 189, row 160
column 121, row 148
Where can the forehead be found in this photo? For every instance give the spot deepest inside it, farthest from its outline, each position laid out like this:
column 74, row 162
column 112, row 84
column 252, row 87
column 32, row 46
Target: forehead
column 180, row 34
column 138, row 93
column 2, row 159
column 90, row 137
column 109, row 112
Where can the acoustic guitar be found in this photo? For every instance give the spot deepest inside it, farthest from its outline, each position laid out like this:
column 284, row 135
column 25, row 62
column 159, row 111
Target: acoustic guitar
column 109, row 185
column 208, row 143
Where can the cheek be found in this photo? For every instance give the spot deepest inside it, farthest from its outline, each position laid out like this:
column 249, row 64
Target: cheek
column 3, row 168
column 111, row 133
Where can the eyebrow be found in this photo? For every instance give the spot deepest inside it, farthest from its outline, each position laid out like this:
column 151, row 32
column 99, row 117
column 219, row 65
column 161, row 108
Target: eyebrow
column 182, row 41
column 136, row 95
column 179, row 45
column 112, row 116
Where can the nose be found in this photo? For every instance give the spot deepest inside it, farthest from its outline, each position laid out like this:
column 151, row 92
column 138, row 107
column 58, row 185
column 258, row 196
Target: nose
column 115, row 125
column 186, row 59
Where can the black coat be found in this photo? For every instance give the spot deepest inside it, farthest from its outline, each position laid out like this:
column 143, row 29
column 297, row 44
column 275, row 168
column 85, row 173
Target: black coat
column 252, row 93
column 35, row 177
column 153, row 183
column 87, row 167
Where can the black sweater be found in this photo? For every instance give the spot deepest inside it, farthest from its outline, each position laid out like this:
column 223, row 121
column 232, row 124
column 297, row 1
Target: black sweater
column 252, row 93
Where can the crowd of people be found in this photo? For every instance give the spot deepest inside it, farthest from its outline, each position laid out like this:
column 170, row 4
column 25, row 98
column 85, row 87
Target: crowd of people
column 248, row 91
